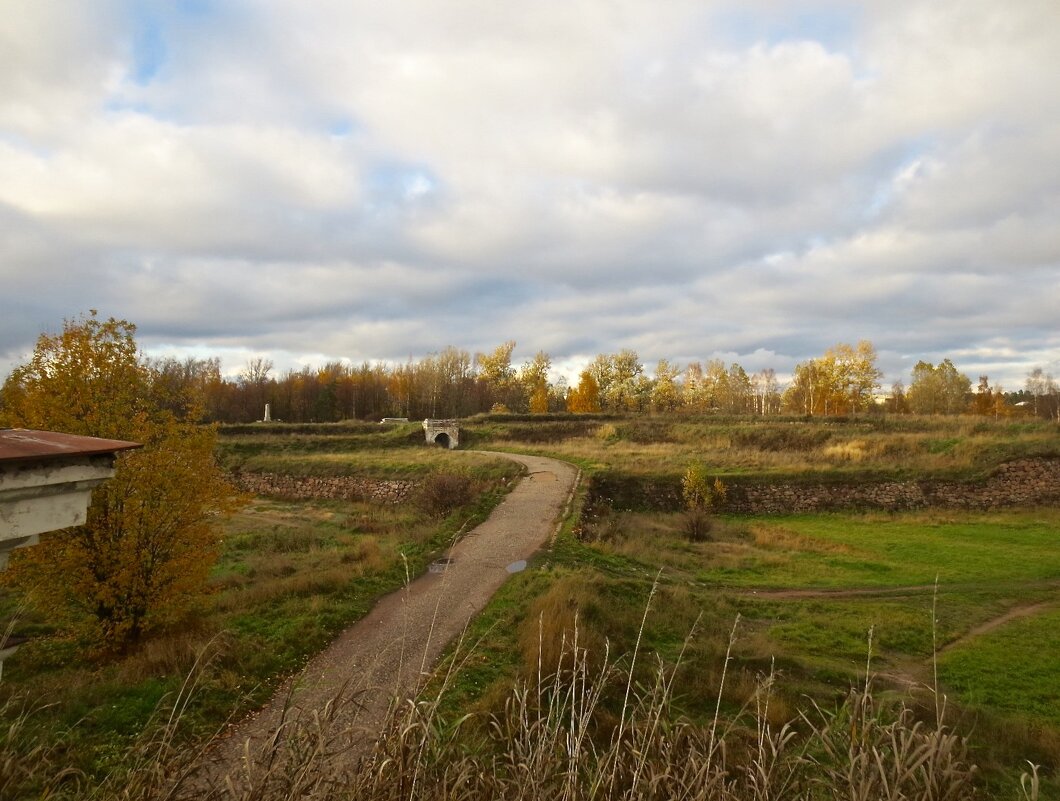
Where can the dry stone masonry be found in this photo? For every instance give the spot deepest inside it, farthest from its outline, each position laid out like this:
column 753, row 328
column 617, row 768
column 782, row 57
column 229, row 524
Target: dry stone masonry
column 1024, row 482
column 348, row 488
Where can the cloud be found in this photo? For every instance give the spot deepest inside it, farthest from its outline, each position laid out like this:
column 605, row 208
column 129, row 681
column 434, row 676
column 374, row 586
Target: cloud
column 756, row 179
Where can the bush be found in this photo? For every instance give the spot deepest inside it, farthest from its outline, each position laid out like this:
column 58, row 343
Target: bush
column 698, row 524
column 441, row 493
column 701, row 496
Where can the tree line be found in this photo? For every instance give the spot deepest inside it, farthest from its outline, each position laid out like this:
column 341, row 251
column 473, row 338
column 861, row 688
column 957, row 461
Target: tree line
column 142, row 558
column 455, row 383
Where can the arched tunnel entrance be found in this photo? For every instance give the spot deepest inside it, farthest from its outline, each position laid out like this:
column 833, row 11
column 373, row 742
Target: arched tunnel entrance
column 445, row 433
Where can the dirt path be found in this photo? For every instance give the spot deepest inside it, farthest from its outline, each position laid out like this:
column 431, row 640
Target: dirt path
column 385, row 654
column 918, row 589
column 984, row 628
column 871, row 592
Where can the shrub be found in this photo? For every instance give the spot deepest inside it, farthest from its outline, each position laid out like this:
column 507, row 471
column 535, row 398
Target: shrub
column 701, row 496
column 441, row 493
column 698, row 524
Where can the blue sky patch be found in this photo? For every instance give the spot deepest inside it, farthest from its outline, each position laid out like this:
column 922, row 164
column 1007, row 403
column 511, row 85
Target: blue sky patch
column 831, row 26
column 148, row 47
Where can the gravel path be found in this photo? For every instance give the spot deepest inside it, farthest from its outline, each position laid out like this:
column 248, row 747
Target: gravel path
column 385, row 654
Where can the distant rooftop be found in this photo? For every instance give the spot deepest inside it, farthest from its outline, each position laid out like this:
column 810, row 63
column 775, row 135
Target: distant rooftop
column 23, row 445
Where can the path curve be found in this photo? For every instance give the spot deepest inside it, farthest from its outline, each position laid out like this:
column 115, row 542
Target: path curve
column 386, row 653
column 1014, row 613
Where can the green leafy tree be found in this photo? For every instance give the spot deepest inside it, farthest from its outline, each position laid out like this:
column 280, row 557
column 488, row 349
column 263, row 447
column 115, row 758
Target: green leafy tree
column 142, row 558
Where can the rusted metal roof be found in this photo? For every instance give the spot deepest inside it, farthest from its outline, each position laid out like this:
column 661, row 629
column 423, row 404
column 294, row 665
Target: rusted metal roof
column 23, row 444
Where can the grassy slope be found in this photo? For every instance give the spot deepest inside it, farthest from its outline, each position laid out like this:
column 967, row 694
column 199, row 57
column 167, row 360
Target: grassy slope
column 291, row 575
column 986, row 564
column 300, row 562
column 781, row 449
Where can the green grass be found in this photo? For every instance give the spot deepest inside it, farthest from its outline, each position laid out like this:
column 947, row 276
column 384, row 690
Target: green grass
column 986, row 563
column 1012, row 669
column 291, row 576
column 836, row 551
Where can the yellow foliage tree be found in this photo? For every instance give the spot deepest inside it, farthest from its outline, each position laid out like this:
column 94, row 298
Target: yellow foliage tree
column 584, row 398
column 143, row 556
column 534, row 378
column 701, row 496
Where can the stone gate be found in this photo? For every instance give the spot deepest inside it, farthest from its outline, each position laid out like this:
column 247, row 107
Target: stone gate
column 442, row 432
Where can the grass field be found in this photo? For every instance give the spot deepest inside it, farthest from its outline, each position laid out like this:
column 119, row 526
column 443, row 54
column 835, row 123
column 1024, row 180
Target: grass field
column 799, row 594
column 779, row 448
column 292, row 574
column 808, row 590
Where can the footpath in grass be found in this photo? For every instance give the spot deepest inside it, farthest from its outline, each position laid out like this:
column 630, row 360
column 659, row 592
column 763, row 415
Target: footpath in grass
column 808, row 589
column 292, row 575
column 1011, row 669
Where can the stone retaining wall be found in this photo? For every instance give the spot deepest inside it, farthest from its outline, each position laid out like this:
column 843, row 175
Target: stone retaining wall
column 1020, row 483
column 392, row 491
column 1025, row 482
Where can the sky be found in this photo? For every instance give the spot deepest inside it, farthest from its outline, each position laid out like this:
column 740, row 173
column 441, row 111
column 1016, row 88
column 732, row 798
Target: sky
column 753, row 180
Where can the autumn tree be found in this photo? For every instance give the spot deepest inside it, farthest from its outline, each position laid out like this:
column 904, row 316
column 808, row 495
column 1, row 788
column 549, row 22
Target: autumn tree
column 621, row 381
column 853, row 374
column 840, row 382
column 533, row 376
column 1045, row 395
column 190, row 387
column 666, row 392
column 584, row 398
column 808, row 389
column 496, row 375
column 938, row 390
column 715, row 389
column 766, row 391
column 983, row 400
column 254, row 380
column 143, row 556
column 897, row 403
column 740, row 398
column 694, row 399
column 445, row 381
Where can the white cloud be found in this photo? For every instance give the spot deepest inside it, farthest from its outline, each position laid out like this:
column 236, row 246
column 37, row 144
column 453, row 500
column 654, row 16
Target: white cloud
column 381, row 179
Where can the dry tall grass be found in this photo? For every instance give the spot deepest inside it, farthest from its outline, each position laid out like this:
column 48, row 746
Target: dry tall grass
column 559, row 736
